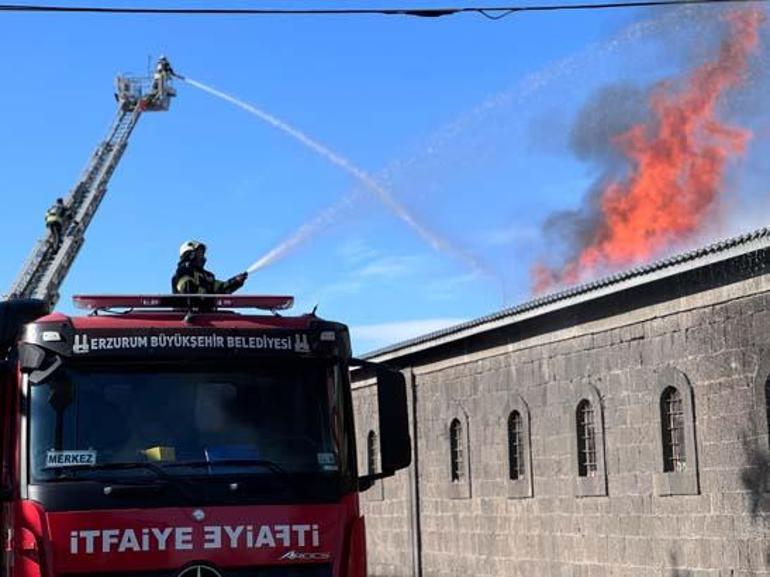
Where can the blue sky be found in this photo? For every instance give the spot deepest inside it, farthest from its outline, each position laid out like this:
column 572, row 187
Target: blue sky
column 464, row 120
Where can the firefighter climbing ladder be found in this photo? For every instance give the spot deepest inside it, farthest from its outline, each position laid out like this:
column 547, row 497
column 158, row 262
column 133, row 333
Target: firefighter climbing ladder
column 48, row 265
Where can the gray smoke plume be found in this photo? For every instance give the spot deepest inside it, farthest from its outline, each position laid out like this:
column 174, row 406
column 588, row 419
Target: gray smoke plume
column 612, row 111
column 566, row 232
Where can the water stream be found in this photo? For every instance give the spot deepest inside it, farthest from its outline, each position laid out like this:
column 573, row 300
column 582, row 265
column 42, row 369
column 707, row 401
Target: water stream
column 385, row 196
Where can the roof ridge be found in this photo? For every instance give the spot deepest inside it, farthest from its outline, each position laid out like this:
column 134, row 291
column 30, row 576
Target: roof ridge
column 586, row 287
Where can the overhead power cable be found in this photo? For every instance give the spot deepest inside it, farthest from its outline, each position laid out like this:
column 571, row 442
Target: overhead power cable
column 491, row 12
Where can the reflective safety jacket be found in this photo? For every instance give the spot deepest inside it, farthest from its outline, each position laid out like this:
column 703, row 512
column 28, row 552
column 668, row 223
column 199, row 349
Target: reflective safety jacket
column 190, row 279
column 57, row 213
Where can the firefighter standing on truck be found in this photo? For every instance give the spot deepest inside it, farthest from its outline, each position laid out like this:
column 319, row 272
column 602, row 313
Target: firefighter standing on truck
column 192, row 278
column 56, row 219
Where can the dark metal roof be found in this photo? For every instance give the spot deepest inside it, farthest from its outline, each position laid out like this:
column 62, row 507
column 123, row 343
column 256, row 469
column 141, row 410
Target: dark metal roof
column 717, row 251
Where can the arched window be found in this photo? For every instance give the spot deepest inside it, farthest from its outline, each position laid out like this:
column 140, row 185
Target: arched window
column 672, row 430
column 516, row 441
column 516, row 453
column 456, row 450
column 586, row 439
column 371, row 453
column 673, row 407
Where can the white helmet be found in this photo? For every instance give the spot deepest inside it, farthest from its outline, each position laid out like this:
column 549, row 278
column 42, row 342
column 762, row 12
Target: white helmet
column 191, row 245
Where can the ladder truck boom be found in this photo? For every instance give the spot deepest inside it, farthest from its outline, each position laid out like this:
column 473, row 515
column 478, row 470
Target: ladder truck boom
column 47, row 265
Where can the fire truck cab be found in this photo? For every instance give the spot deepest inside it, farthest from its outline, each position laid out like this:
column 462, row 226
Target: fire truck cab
column 174, row 436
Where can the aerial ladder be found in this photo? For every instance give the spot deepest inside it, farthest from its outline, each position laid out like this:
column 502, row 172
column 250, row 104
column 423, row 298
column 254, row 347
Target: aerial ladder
column 48, row 264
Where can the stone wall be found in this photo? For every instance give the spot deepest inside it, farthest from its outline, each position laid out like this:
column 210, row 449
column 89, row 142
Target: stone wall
column 630, row 517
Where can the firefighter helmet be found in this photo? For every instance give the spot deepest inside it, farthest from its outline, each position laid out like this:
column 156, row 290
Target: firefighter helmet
column 191, row 245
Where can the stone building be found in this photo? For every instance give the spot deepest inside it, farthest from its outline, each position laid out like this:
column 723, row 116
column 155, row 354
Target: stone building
column 617, row 428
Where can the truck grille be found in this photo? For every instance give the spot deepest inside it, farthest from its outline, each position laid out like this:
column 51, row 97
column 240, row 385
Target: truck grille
column 274, row 571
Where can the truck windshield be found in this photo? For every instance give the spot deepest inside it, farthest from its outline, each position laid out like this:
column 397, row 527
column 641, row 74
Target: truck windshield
column 255, row 419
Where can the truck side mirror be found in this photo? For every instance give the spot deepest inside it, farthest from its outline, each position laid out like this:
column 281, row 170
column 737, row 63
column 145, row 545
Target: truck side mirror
column 395, row 445
column 14, row 314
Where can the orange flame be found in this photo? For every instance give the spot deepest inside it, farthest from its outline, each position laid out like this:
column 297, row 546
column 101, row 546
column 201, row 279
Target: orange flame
column 677, row 166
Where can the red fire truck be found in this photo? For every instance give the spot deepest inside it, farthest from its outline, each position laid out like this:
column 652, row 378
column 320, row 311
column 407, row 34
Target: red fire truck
column 176, row 436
